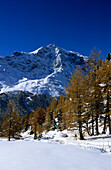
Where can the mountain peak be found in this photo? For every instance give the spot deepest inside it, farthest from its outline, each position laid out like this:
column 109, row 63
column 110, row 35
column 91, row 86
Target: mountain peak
column 51, row 46
column 36, row 51
column 46, row 70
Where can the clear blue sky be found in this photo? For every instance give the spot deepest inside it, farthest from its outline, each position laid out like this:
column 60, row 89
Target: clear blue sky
column 78, row 25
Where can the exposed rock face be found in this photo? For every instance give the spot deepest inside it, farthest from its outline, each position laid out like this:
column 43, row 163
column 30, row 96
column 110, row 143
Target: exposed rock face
column 32, row 79
column 44, row 71
column 24, row 102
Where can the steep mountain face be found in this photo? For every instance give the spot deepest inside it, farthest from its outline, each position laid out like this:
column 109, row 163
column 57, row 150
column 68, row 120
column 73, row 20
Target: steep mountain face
column 24, row 102
column 44, row 71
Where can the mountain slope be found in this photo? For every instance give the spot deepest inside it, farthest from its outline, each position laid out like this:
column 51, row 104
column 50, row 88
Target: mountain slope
column 44, row 71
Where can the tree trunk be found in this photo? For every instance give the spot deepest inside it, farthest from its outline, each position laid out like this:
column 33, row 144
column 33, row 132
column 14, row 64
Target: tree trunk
column 80, row 131
column 107, row 111
column 109, row 122
column 97, row 130
column 92, row 125
column 87, row 126
column 35, row 134
column 104, row 129
column 9, row 134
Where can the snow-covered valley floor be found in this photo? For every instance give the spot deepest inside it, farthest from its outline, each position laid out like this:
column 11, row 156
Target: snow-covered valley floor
column 55, row 152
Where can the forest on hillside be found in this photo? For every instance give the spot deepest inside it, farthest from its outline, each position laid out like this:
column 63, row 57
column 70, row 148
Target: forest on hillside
column 86, row 106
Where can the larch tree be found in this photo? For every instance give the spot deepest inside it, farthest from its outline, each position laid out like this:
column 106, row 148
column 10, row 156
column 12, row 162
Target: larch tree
column 48, row 120
column 11, row 125
column 75, row 91
column 53, row 112
column 38, row 120
column 68, row 115
column 94, row 97
column 104, row 74
column 25, row 122
column 60, row 108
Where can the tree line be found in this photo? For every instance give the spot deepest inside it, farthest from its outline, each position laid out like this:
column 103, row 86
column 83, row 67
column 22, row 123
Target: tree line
column 85, row 108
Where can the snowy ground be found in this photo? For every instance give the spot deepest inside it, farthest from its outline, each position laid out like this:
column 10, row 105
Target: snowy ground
column 55, row 152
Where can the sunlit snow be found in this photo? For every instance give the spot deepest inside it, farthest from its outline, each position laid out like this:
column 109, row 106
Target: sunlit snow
column 55, row 151
column 46, row 70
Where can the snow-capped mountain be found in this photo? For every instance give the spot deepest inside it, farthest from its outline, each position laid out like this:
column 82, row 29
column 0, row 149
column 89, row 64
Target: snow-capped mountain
column 44, row 71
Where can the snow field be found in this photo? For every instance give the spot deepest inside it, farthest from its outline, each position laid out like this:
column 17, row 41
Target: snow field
column 55, row 151
column 35, row 155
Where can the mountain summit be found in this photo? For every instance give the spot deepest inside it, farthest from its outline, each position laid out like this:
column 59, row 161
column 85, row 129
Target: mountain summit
column 44, row 71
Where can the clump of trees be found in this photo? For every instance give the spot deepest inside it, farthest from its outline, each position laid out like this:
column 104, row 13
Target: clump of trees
column 37, row 120
column 86, row 106
column 10, row 123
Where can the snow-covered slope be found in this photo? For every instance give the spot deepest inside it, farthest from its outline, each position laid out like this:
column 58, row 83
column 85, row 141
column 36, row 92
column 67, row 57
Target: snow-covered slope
column 46, row 70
